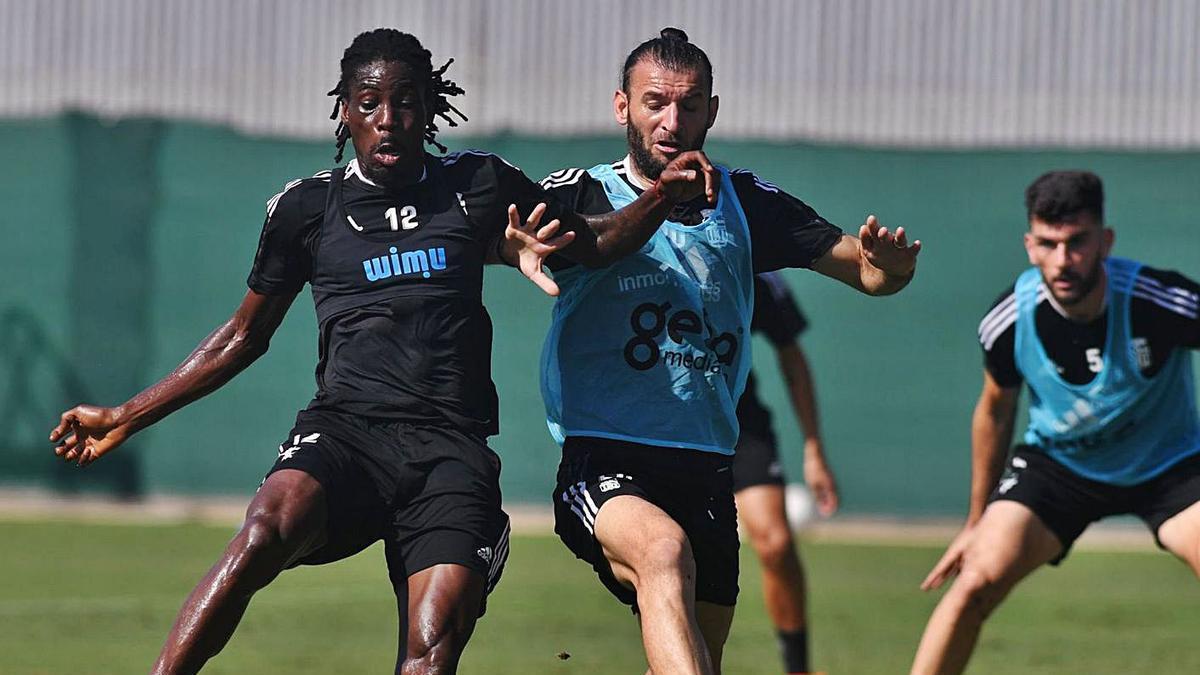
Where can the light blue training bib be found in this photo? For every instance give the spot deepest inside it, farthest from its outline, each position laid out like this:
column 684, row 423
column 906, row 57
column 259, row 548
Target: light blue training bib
column 1121, row 428
column 655, row 349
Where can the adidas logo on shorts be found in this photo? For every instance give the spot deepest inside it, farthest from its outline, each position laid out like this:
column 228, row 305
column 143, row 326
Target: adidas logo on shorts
column 485, row 553
column 1007, row 484
column 288, row 453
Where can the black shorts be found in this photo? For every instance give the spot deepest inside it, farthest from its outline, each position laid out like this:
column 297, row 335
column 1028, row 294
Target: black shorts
column 756, row 462
column 694, row 488
column 431, row 493
column 1067, row 502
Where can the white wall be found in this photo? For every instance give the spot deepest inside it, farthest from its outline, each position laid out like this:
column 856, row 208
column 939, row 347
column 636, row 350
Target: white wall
column 1091, row 73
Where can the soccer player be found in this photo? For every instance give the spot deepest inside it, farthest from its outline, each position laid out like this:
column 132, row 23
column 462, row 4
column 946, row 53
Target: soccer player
column 647, row 357
column 758, row 485
column 393, row 445
column 1102, row 343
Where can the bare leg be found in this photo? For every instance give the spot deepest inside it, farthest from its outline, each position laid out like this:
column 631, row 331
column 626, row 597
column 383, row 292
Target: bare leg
column 400, row 586
column 1009, row 543
column 285, row 520
column 1181, row 535
column 764, row 517
column 761, row 509
column 649, row 552
column 714, row 621
column 443, row 604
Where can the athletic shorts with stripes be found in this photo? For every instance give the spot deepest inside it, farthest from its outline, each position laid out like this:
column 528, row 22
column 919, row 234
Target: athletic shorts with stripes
column 694, row 488
column 431, row 493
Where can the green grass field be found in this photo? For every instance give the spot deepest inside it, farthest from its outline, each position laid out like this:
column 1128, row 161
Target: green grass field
column 78, row 598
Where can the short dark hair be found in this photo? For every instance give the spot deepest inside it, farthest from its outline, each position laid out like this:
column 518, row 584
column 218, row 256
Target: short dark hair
column 672, row 50
column 1064, row 196
column 393, row 46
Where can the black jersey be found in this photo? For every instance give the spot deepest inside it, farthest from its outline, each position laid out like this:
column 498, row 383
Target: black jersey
column 1162, row 314
column 784, row 231
column 778, row 317
column 396, row 277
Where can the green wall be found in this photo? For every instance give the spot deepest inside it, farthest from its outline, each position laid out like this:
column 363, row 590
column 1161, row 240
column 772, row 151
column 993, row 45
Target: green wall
column 126, row 243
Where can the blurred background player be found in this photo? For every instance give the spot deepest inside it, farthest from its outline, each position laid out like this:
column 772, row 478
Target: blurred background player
column 393, row 445
column 758, row 480
column 1103, row 345
column 648, row 355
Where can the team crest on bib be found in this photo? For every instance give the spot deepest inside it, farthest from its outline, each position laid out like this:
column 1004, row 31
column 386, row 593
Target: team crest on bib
column 719, row 236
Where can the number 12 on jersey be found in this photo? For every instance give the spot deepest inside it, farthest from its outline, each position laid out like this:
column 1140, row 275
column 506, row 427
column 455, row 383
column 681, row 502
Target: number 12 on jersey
column 407, row 219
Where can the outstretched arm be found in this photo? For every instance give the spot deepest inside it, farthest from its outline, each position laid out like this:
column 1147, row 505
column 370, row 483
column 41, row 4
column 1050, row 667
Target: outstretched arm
column 604, row 239
column 526, row 246
column 803, row 395
column 86, row 432
column 878, row 262
column 991, row 434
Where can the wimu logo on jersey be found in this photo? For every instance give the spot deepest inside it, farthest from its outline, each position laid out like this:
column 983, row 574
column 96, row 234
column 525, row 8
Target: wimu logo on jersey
column 642, row 352
column 396, row 263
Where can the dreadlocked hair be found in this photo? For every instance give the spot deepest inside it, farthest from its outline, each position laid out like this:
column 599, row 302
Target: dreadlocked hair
column 672, row 50
column 391, row 45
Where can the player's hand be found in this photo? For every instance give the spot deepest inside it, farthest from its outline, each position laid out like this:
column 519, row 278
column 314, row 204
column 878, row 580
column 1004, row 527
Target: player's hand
column 688, row 176
column 530, row 245
column 86, row 432
column 951, row 561
column 819, row 478
column 888, row 251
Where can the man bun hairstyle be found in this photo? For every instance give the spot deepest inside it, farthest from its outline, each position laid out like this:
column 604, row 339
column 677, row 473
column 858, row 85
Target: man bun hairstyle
column 1064, row 196
column 393, row 46
column 671, row 49
column 671, row 33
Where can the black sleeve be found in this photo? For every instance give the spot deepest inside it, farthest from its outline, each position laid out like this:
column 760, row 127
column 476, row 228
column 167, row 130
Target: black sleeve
column 1171, row 307
column 784, row 231
column 998, row 337
column 776, row 313
column 283, row 262
column 579, row 192
column 493, row 185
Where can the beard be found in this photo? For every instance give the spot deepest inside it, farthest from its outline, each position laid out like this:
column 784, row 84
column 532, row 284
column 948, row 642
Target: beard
column 1084, row 284
column 647, row 164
